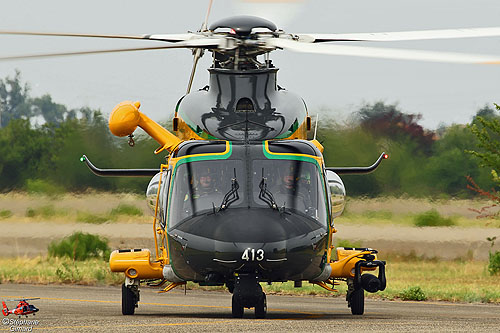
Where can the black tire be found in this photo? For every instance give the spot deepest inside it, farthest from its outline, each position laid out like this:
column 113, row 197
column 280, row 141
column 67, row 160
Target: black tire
column 261, row 307
column 358, row 302
column 230, row 286
column 128, row 301
column 236, row 307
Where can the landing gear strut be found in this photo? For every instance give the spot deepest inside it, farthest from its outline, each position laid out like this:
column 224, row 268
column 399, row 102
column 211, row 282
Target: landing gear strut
column 248, row 293
column 130, row 296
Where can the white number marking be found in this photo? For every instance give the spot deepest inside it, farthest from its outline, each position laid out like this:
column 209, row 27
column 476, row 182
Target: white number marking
column 252, row 255
column 260, row 255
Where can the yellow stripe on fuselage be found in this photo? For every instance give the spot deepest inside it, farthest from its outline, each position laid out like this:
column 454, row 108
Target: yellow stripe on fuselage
column 320, row 160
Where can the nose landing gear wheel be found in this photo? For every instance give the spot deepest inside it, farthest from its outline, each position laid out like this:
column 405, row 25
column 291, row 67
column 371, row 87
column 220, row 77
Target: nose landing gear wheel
column 261, row 308
column 236, row 307
column 357, row 302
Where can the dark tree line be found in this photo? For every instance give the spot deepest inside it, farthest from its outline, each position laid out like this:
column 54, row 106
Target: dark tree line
column 421, row 163
column 41, row 143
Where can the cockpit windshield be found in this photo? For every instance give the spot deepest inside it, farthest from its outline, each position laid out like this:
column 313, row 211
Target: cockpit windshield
column 204, row 186
column 212, row 186
column 289, row 185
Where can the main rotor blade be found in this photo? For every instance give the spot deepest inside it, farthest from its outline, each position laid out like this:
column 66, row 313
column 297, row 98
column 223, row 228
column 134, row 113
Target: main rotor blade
column 205, row 22
column 197, row 43
column 198, row 53
column 196, row 56
column 402, row 35
column 21, row 299
column 161, row 37
column 385, row 53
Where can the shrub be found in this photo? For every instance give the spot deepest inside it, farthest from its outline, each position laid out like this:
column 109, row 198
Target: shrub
column 347, row 243
column 432, row 218
column 378, row 214
column 91, row 218
column 67, row 273
column 40, row 186
column 5, row 214
column 80, row 246
column 413, row 294
column 43, row 211
column 494, row 263
column 494, row 258
column 121, row 209
column 125, row 209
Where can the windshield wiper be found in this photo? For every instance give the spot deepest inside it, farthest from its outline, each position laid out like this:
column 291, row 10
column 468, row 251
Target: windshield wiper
column 265, row 195
column 232, row 195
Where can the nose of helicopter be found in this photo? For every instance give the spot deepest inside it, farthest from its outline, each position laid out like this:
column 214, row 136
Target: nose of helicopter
column 279, row 245
column 250, row 225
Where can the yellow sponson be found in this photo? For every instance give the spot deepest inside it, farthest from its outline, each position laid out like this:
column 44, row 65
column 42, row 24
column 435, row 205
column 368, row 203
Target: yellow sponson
column 135, row 264
column 343, row 267
column 126, row 117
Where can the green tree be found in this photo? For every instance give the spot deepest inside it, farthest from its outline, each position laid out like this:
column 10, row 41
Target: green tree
column 349, row 145
column 448, row 166
column 14, row 100
column 487, row 132
column 390, row 122
column 486, row 112
column 24, row 152
column 51, row 112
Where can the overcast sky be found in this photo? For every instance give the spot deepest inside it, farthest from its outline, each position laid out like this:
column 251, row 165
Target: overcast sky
column 443, row 93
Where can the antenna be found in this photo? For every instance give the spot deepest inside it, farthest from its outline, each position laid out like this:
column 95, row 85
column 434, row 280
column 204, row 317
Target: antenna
column 316, row 127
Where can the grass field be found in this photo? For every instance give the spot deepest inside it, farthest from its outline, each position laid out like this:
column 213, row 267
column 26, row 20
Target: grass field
column 457, row 281
column 460, row 280
column 94, row 208
column 405, row 212
column 439, row 280
column 45, row 270
column 111, row 207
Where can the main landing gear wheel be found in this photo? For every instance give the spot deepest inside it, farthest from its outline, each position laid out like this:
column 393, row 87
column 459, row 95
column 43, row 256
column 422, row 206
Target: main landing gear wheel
column 357, row 301
column 129, row 300
column 261, row 308
column 236, row 307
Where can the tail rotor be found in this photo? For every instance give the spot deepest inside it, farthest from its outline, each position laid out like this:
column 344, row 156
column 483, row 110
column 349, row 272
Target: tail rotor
column 5, row 309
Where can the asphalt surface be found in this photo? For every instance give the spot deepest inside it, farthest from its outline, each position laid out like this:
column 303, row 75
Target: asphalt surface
column 83, row 309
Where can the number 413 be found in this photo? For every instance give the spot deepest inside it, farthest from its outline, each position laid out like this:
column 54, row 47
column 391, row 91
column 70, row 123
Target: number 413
column 253, row 254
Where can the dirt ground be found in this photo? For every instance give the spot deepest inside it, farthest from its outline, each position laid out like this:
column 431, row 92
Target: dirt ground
column 18, row 203
column 22, row 236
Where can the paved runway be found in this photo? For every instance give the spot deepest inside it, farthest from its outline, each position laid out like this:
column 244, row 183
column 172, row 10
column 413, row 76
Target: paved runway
column 82, row 309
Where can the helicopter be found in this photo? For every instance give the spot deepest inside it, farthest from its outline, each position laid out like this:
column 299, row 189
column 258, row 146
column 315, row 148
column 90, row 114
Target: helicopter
column 23, row 308
column 244, row 197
